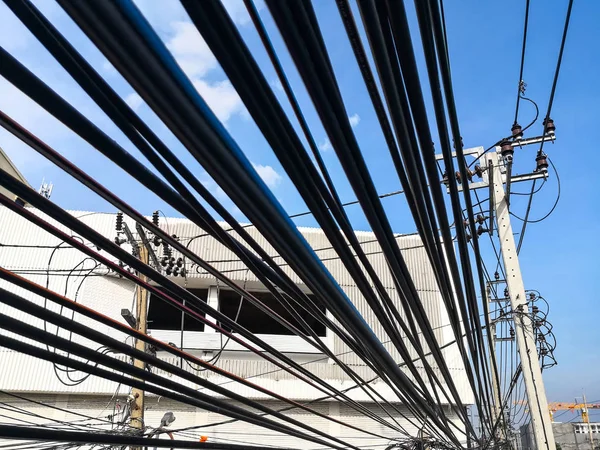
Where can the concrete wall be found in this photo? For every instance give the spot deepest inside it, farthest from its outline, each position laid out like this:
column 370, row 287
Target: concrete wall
column 237, row 432
column 570, row 436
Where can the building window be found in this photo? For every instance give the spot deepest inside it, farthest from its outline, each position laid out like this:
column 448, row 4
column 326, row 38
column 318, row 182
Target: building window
column 258, row 322
column 582, row 428
column 164, row 316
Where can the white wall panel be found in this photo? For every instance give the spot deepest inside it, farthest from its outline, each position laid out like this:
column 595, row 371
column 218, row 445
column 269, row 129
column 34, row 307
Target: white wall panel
column 109, row 294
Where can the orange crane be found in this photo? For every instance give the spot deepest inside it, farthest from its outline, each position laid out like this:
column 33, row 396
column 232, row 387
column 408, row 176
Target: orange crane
column 562, row 406
column 558, row 406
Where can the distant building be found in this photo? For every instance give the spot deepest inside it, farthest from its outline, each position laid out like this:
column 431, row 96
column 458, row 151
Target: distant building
column 7, row 165
column 568, row 436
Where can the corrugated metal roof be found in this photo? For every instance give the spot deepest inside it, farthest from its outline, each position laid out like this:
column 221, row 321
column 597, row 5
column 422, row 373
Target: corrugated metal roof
column 29, row 250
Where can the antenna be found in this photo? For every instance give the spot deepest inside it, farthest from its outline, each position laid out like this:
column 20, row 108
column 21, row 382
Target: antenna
column 46, row 188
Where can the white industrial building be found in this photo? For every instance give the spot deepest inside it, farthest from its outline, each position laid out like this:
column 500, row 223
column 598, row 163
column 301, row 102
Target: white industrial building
column 38, row 256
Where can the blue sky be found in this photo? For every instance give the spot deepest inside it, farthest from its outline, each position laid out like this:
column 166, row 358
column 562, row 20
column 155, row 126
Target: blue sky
column 559, row 257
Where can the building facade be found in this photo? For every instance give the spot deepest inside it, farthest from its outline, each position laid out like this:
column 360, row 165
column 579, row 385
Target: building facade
column 40, row 257
column 568, row 436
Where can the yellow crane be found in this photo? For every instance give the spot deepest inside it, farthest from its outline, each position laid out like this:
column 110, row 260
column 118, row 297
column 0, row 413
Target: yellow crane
column 584, row 407
column 561, row 406
column 564, row 406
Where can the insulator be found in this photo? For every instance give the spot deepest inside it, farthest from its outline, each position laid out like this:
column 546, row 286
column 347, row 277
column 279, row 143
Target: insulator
column 179, row 262
column 506, row 149
column 478, row 171
column 445, row 178
column 549, row 126
column 166, row 250
column 117, row 240
column 469, row 175
column 496, row 275
column 155, row 218
column 541, row 162
column 461, row 143
column 517, row 131
column 506, row 292
column 512, row 332
column 535, row 309
column 481, row 229
column 174, row 236
column 163, row 261
column 119, row 221
column 168, row 271
column 183, row 272
column 532, row 296
column 176, row 272
column 157, row 241
column 480, row 219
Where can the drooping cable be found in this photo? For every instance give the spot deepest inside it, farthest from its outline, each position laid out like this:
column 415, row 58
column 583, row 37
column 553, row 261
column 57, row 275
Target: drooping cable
column 520, row 84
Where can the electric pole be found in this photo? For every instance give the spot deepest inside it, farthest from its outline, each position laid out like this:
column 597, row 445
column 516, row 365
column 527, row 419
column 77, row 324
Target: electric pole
column 524, row 330
column 495, row 382
column 137, row 405
column 585, row 415
column 495, row 174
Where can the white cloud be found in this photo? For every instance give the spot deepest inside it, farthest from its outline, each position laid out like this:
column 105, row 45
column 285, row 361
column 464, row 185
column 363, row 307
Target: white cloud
column 268, row 174
column 108, row 68
column 195, row 58
column 214, row 189
column 190, row 50
column 238, row 12
column 221, row 97
column 134, row 101
column 325, row 145
column 354, row 120
column 276, row 84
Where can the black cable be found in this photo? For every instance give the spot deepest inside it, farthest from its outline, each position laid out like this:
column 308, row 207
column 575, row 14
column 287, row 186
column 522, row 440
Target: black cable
column 106, row 195
column 320, row 399
column 64, row 217
column 113, row 199
column 524, row 227
column 325, row 93
column 433, row 11
column 406, row 55
column 30, row 433
column 520, row 88
column 422, row 218
column 102, row 93
column 527, row 220
column 168, row 388
column 206, row 20
column 117, row 325
column 557, row 70
column 294, row 216
column 318, row 287
column 342, row 365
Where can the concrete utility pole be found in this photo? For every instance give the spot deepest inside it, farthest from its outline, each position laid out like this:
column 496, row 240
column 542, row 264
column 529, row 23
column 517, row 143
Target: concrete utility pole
column 585, row 415
column 524, row 331
column 494, row 178
column 497, row 407
column 137, row 406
